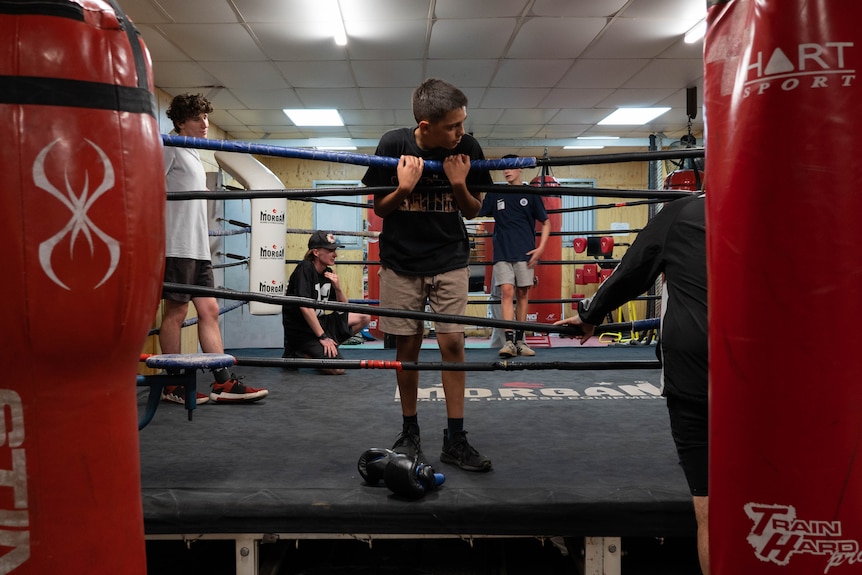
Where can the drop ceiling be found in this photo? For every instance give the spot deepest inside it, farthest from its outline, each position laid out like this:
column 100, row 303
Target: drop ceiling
column 538, row 73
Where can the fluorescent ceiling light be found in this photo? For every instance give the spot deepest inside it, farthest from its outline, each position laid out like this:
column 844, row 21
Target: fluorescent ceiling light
column 583, row 147
column 632, row 116
column 696, row 33
column 338, row 31
column 597, row 138
column 318, row 117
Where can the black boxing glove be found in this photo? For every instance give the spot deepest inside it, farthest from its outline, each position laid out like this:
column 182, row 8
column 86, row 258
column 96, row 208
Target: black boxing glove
column 409, row 477
column 372, row 464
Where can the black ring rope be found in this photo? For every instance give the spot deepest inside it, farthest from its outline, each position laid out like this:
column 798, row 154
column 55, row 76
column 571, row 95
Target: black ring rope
column 639, row 325
column 194, row 320
column 499, row 365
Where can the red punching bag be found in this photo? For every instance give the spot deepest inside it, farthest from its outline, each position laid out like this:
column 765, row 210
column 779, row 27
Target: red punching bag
column 548, row 278
column 83, row 234
column 782, row 156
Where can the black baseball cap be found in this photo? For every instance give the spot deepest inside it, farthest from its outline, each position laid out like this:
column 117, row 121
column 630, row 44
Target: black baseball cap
column 321, row 239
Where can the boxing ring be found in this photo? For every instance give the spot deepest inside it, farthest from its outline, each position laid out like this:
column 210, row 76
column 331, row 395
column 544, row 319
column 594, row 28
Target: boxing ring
column 578, row 454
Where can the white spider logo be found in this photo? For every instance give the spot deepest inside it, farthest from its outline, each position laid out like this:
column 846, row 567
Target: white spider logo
column 80, row 222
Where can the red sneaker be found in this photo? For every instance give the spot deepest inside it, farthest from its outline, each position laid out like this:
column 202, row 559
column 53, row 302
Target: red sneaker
column 232, row 391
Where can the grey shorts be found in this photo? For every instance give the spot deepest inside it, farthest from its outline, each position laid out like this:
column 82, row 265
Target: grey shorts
column 513, row 273
column 445, row 293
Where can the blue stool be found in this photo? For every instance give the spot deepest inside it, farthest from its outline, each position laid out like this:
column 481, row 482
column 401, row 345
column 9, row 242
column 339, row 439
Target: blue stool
column 187, row 364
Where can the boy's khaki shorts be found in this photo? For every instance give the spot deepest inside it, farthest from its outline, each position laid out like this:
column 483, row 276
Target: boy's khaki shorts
column 446, row 293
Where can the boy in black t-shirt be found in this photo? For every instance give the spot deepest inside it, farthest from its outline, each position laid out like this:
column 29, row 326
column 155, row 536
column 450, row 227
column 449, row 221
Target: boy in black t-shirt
column 424, row 252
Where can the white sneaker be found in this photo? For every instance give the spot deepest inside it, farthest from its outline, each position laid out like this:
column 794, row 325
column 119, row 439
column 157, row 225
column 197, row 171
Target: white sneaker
column 524, row 349
column 508, row 349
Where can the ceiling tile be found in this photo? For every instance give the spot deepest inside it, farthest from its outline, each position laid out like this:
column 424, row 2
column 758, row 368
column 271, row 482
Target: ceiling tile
column 391, row 9
column 296, row 41
column 304, row 11
column 221, row 99
column 388, row 73
column 513, row 97
column 262, row 117
column 183, row 74
column 555, row 37
column 636, row 98
column 521, row 116
column 562, row 131
column 225, row 120
column 143, row 12
column 513, row 131
column 478, row 38
column 367, row 117
column 640, row 38
column 200, row 11
column 580, row 116
column 325, row 98
column 368, row 40
column 671, row 72
column 483, row 115
column 573, row 98
column 372, row 131
column 580, row 8
column 253, row 98
column 214, row 42
column 458, row 9
column 376, row 98
column 680, row 10
column 317, row 74
column 161, row 49
column 463, row 73
column 262, row 75
column 536, row 73
column 683, row 51
column 588, row 73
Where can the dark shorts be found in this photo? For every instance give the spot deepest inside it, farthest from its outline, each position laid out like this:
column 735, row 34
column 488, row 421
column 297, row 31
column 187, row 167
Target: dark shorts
column 334, row 324
column 689, row 425
column 189, row 272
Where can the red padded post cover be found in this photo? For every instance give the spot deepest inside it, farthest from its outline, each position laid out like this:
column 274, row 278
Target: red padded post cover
column 781, row 100
column 83, row 236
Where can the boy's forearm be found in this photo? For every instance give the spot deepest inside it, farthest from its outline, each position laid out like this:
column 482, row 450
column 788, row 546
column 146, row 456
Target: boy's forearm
column 467, row 202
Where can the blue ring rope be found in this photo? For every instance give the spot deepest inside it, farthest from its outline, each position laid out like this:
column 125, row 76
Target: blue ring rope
column 331, row 156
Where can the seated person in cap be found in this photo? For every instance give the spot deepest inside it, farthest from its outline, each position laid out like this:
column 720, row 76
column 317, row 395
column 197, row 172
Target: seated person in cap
column 312, row 332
